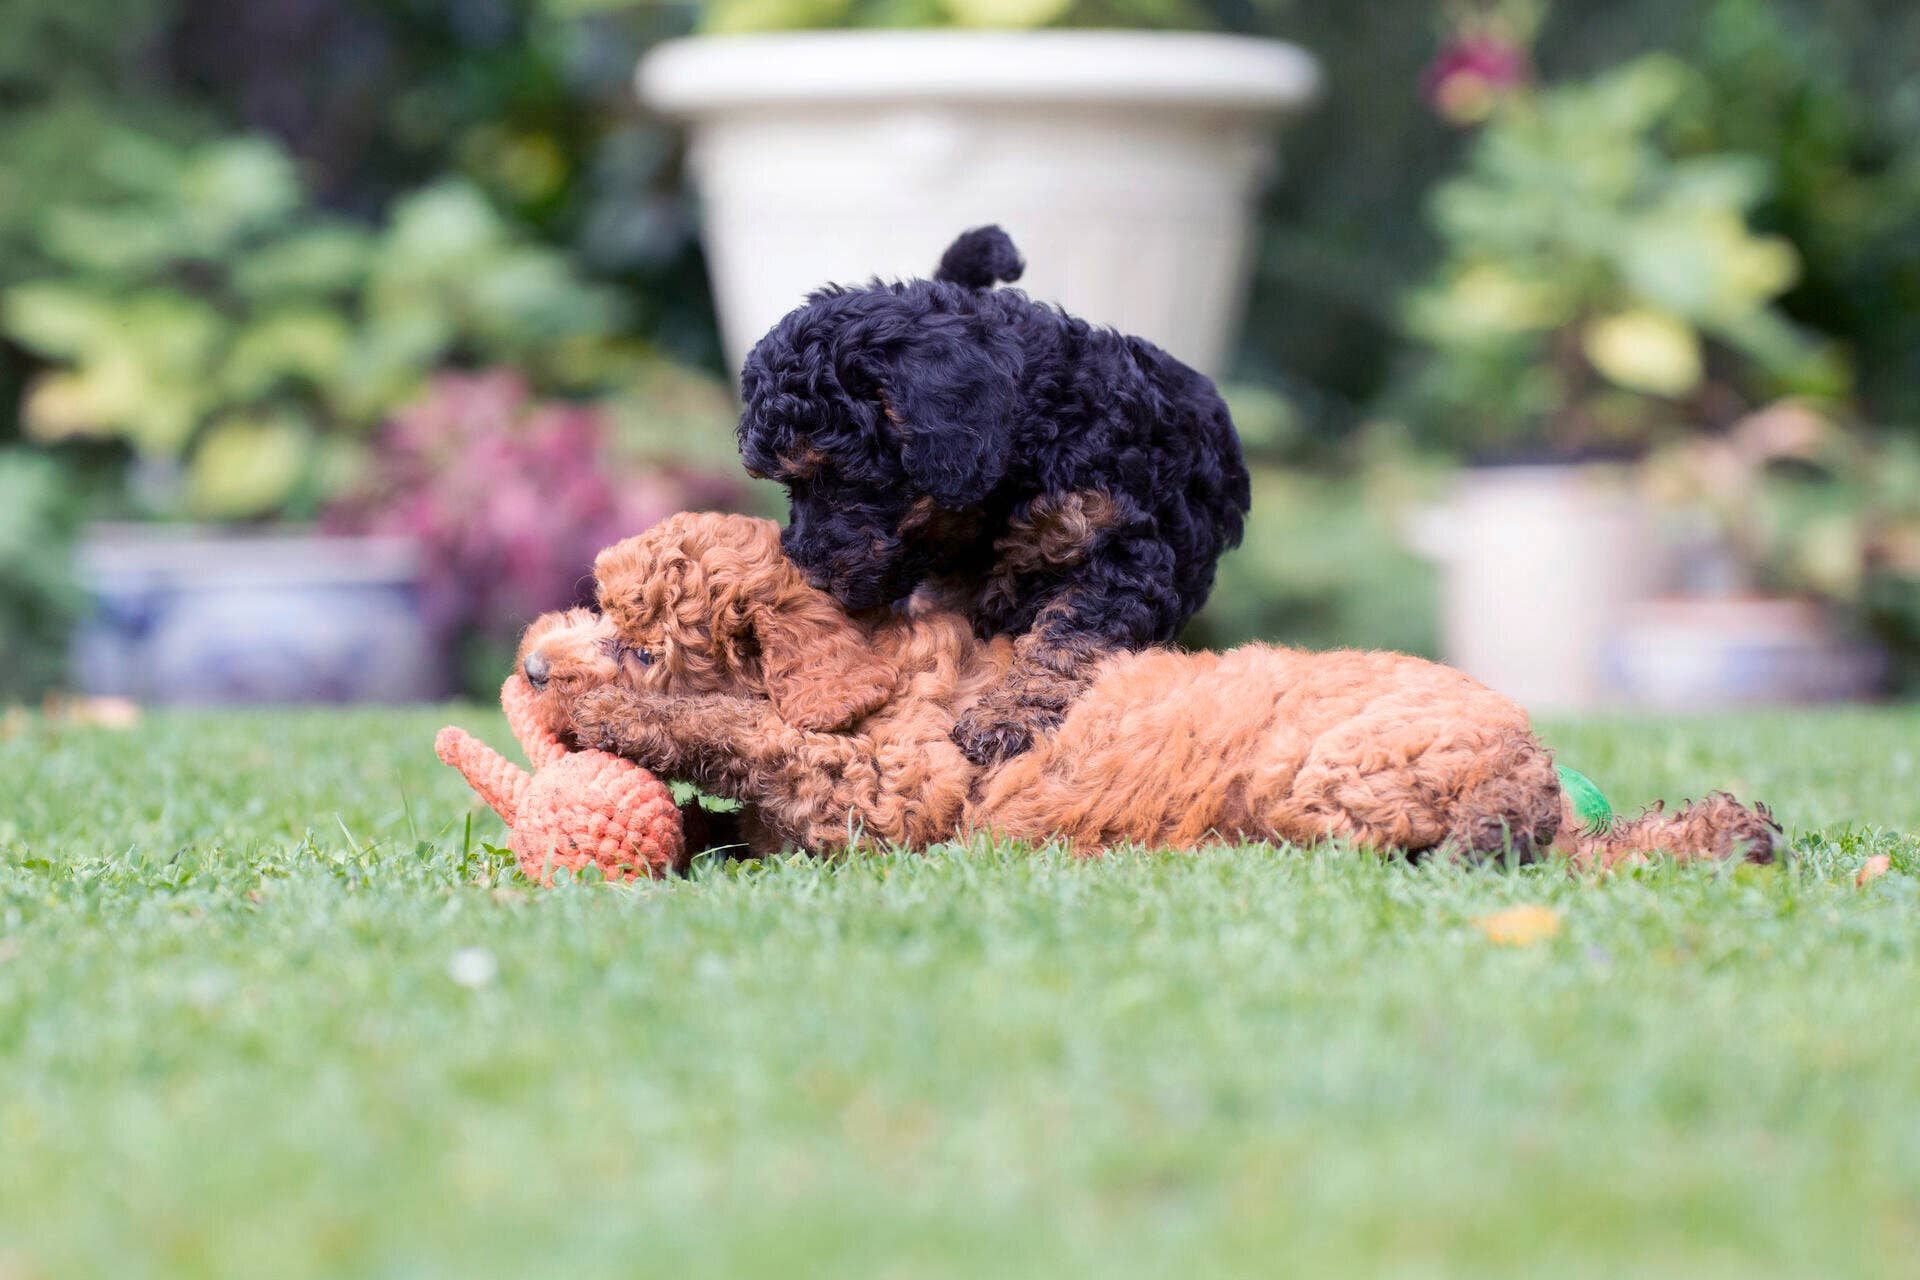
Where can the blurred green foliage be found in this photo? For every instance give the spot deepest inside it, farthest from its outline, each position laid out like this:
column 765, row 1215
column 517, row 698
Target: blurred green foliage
column 1801, row 505
column 1598, row 289
column 1324, row 565
column 462, row 182
column 70, row 73
column 528, row 100
column 724, row 16
column 205, row 314
column 1819, row 95
column 1825, row 98
column 38, row 598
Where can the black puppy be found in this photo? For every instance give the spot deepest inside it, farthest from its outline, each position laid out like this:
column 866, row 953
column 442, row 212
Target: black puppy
column 1064, row 484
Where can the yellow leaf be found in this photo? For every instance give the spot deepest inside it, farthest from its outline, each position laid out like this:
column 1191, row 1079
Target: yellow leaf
column 1875, row 867
column 1645, row 350
column 1519, row 926
column 1006, row 13
column 1485, row 302
column 246, row 467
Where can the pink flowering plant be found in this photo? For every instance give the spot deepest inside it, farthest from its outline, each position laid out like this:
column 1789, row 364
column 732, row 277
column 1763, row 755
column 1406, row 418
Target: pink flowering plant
column 1483, row 59
column 510, row 497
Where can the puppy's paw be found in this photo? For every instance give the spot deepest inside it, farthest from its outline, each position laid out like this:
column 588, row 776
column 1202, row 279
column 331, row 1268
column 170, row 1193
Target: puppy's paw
column 602, row 719
column 1483, row 837
column 986, row 737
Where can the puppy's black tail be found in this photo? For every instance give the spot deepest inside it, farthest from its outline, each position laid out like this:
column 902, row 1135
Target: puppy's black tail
column 980, row 259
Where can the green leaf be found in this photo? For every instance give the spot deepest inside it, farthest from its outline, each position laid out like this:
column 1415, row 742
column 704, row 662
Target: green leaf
column 247, row 466
column 531, row 296
column 142, row 165
column 1717, row 182
column 1705, row 264
column 322, row 261
column 119, row 241
column 307, row 344
column 1588, row 801
column 734, row 16
column 1007, row 13
column 56, row 319
column 235, row 188
column 439, row 232
column 114, row 396
column 175, row 332
column 391, row 357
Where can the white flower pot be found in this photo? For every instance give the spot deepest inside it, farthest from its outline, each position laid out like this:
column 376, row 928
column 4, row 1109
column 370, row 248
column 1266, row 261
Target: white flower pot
column 1124, row 164
column 1538, row 566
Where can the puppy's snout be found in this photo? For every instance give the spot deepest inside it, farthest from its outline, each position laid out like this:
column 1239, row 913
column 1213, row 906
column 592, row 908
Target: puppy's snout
column 535, row 668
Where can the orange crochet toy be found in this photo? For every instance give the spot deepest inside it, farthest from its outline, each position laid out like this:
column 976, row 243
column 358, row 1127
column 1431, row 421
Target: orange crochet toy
column 578, row 808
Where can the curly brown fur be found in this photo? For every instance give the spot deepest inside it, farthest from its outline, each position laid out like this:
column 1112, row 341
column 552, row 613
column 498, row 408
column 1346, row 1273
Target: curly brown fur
column 752, row 683
column 1717, row 827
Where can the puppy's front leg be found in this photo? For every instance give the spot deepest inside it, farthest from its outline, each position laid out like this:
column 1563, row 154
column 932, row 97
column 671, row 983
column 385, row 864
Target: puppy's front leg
column 727, row 746
column 1106, row 588
column 814, row 788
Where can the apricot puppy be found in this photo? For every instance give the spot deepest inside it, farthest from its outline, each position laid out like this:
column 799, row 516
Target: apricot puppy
column 716, row 662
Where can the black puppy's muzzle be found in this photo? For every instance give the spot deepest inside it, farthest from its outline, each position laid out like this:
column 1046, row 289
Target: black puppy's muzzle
column 535, row 668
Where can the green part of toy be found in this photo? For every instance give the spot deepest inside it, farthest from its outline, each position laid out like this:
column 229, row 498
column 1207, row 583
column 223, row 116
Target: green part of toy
column 1595, row 814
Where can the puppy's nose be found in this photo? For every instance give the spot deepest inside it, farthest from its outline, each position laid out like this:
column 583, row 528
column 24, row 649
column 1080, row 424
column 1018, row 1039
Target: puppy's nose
column 536, row 668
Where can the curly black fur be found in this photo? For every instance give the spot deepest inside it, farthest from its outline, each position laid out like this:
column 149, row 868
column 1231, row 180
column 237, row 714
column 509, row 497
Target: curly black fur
column 1057, row 478
column 980, row 259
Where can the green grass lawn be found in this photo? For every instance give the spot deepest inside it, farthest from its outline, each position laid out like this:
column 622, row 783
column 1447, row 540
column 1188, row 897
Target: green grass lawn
column 263, row 1013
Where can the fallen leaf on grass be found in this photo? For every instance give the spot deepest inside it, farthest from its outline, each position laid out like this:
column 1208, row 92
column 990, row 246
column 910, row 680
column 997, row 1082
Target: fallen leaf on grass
column 1872, row 869
column 83, row 712
column 1519, row 926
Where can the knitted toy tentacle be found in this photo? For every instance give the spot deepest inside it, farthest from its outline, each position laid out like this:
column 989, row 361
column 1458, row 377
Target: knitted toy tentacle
column 497, row 780
column 541, row 746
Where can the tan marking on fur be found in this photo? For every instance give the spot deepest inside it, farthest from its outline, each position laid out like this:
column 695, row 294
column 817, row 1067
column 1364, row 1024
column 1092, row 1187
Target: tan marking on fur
column 892, row 414
column 928, row 520
column 1057, row 529
column 804, row 462
column 1159, row 747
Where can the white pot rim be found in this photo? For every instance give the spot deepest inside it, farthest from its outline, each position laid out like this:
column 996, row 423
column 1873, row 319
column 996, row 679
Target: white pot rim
column 699, row 75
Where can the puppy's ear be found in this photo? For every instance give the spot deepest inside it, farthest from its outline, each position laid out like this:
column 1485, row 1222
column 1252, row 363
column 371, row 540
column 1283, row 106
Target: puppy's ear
column 820, row 671
column 952, row 398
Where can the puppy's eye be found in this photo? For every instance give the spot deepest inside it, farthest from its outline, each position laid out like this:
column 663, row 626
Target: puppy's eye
column 645, row 656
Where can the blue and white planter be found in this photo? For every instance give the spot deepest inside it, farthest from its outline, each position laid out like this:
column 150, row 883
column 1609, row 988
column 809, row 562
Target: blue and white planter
column 186, row 615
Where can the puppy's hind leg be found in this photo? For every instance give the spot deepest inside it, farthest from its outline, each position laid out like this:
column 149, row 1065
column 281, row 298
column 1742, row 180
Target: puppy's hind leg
column 1509, row 805
column 1718, row 827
